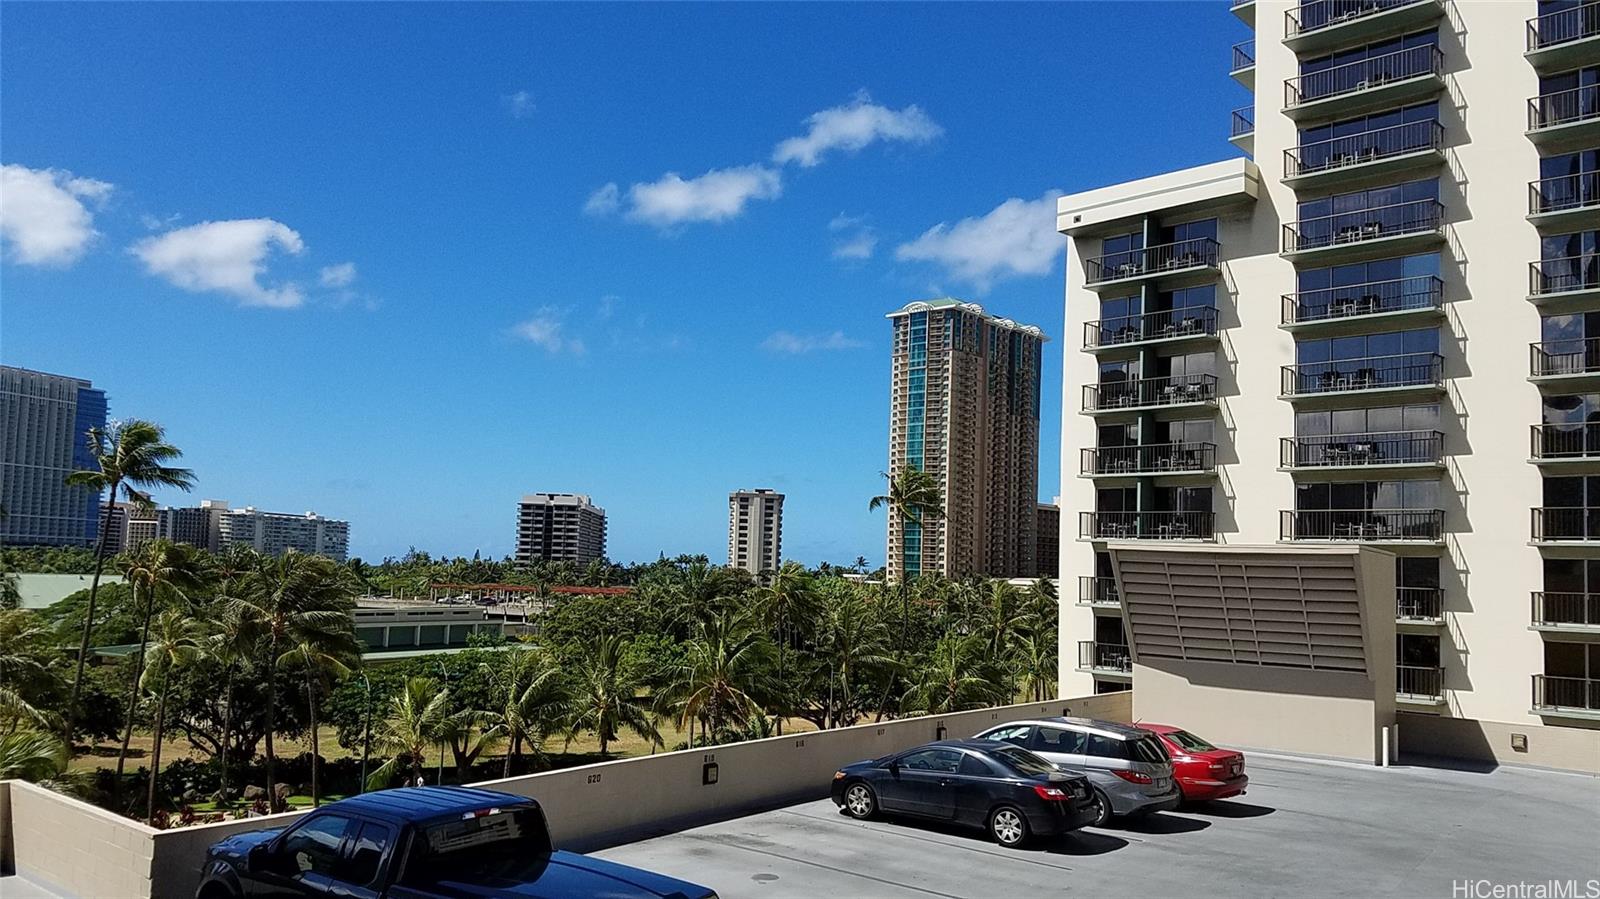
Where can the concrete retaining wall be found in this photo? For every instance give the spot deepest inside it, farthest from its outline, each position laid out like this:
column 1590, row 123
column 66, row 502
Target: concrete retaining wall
column 77, row 849
column 1490, row 742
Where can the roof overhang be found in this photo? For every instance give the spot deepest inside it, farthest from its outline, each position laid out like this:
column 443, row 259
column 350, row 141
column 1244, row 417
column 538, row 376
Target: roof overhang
column 1213, row 188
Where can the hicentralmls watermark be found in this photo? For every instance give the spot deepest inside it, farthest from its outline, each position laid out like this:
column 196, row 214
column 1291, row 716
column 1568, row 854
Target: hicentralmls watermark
column 1525, row 889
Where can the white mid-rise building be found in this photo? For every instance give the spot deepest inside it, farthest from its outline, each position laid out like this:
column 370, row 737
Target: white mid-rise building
column 755, row 530
column 274, row 533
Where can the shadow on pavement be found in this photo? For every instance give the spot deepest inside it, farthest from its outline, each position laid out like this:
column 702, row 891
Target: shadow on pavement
column 1084, row 842
column 1160, row 822
column 1227, row 809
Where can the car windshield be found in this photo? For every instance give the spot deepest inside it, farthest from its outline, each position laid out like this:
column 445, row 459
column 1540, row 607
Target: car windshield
column 1148, row 749
column 1189, row 742
column 1022, row 761
column 509, row 845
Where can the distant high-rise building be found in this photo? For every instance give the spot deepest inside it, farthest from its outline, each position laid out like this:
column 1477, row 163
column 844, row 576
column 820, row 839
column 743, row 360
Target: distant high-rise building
column 755, row 530
column 129, row 527
column 44, row 422
column 560, row 527
column 195, row 525
column 274, row 533
column 965, row 409
column 1047, row 540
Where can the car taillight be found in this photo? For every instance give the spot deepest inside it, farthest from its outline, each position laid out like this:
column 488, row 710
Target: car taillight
column 1052, row 793
column 1132, row 777
column 1217, row 766
column 1183, row 759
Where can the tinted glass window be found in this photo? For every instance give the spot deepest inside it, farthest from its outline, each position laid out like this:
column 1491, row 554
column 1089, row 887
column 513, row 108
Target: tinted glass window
column 1148, row 749
column 943, row 760
column 1106, row 747
column 365, row 854
column 972, row 766
column 512, row 844
column 313, row 848
column 1023, row 762
column 1189, row 741
column 1017, row 734
column 1055, row 739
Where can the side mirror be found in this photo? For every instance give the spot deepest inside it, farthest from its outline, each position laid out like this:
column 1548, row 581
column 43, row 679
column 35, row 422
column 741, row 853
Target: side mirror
column 259, row 858
column 894, row 768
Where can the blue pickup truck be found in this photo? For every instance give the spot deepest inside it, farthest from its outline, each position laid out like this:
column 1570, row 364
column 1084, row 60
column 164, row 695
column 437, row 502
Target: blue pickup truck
column 422, row 843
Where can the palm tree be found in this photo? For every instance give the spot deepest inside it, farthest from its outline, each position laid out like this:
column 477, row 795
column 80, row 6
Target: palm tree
column 152, row 567
column 791, row 607
column 606, row 696
column 999, row 617
column 718, row 680
column 417, row 719
column 30, row 754
column 914, row 496
column 25, row 673
column 956, row 678
column 321, row 652
column 177, row 643
column 1036, row 652
column 130, row 455
column 234, row 641
column 854, row 641
column 534, row 700
column 294, row 600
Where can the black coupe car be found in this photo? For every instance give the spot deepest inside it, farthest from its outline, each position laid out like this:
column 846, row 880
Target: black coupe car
column 1005, row 789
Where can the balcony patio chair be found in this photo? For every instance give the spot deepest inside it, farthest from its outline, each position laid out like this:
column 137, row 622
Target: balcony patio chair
column 1363, row 453
column 1365, row 378
column 1128, row 269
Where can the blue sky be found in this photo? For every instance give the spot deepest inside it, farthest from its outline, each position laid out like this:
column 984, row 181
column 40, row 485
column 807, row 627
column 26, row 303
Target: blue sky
column 402, row 264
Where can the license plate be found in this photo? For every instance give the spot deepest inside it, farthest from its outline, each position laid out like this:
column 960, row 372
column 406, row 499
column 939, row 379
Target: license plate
column 1163, row 783
column 1237, row 767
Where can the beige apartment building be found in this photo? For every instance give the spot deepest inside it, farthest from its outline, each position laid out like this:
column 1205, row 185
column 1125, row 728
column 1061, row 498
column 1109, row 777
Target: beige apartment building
column 755, row 530
column 964, row 407
column 1372, row 331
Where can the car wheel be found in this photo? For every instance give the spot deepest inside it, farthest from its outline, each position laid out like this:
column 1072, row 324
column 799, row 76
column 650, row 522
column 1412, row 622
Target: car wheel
column 860, row 802
column 1102, row 809
column 1008, row 827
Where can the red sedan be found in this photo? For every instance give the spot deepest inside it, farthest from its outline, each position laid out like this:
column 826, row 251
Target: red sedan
column 1203, row 771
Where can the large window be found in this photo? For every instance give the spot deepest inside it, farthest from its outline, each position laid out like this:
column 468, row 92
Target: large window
column 1358, row 67
column 1381, row 420
column 1360, row 215
column 1196, row 230
column 1367, row 361
column 1568, row 180
column 1360, row 288
column 1380, row 134
column 1122, row 251
column 1181, row 499
column 1188, row 366
column 1367, row 495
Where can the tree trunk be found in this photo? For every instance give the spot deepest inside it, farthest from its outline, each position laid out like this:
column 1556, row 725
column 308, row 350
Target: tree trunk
column 155, row 753
column 227, row 731
column 70, row 719
column 133, row 690
column 783, row 696
column 311, row 706
column 272, row 722
column 511, row 753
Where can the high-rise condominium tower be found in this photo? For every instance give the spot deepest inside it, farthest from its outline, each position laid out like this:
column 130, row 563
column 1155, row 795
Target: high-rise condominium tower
column 965, row 409
column 44, row 420
column 755, row 530
column 560, row 527
column 1378, row 332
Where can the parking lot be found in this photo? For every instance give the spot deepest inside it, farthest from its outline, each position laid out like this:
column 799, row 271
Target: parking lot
column 1304, row 828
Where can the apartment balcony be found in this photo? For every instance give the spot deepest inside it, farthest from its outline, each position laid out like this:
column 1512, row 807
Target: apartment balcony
column 1565, row 39
column 1361, row 526
column 1375, row 154
column 1572, row 447
column 1566, row 613
column 1380, row 82
column 1243, row 69
column 1566, row 526
column 1418, row 605
column 1354, row 306
column 1098, row 592
column 1172, row 392
column 1105, row 659
column 1565, row 203
column 1383, row 230
column 1566, row 117
column 1186, row 260
column 1566, row 697
column 1391, row 377
column 1368, row 453
column 1572, row 364
column 1419, row 685
column 1326, row 24
column 1564, row 282
column 1153, row 459
column 1242, row 131
column 1146, row 525
column 1245, row 10
column 1193, row 324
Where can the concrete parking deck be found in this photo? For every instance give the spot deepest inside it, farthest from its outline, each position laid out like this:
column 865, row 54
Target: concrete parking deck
column 1305, row 827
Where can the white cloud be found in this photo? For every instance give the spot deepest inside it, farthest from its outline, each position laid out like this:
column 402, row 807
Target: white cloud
column 794, row 344
column 858, row 239
column 603, row 201
column 519, row 104
column 716, row 196
column 853, row 126
column 228, row 257
column 42, row 216
column 607, row 306
column 547, row 329
column 1018, row 237
column 341, row 275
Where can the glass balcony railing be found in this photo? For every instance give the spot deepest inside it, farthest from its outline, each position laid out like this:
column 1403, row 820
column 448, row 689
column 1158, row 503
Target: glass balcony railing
column 1558, row 441
column 1566, row 609
column 1425, row 683
column 1384, row 525
column 1566, row 107
column 1093, row 656
column 1368, row 146
column 1244, row 122
column 1361, row 225
column 1244, row 55
column 1315, row 15
column 1146, row 525
column 1564, row 193
column 1098, row 591
column 1159, row 458
column 1165, row 324
column 1566, row 524
column 1555, row 358
column 1424, row 604
column 1362, row 450
column 1566, row 693
column 1138, row 393
column 1563, row 26
column 1367, row 373
column 1363, row 75
column 1564, row 274
column 1355, row 300
column 1199, row 252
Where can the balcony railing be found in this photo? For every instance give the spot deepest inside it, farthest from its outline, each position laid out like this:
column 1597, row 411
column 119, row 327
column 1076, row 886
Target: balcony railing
column 1552, row 693
column 1386, row 525
column 1566, row 609
column 1370, row 373
column 1098, row 591
column 1563, row 274
column 1564, row 193
column 1198, row 252
column 1361, row 225
column 1368, row 146
column 1190, row 321
column 1563, row 26
column 1244, row 122
column 1158, row 458
column 1362, row 75
column 1094, row 656
column 1244, row 55
column 1419, row 682
column 1146, row 392
column 1418, row 604
column 1315, row 15
column 1561, row 524
column 1554, row 441
column 1373, row 298
column 1146, row 525
column 1573, row 356
column 1362, row 450
column 1564, row 107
